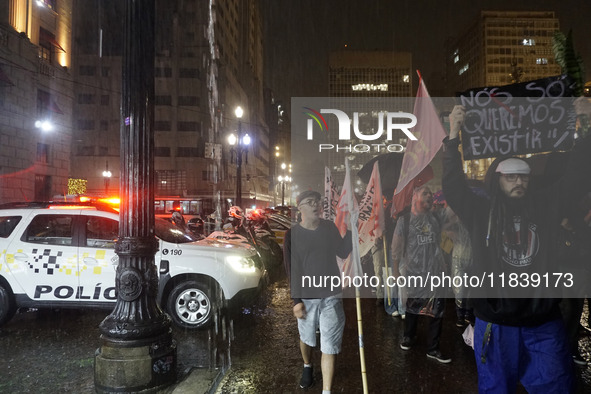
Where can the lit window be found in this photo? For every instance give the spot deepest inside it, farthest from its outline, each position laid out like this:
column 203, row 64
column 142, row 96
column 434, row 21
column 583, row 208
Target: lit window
column 542, row 60
column 463, row 69
column 529, row 42
column 406, row 78
column 370, row 87
column 456, row 58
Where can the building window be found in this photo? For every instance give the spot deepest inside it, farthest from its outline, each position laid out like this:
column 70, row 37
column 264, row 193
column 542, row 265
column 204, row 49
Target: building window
column 84, row 98
column 207, row 175
column 46, row 104
column 85, row 124
column 187, row 152
column 528, row 42
column 542, row 60
column 42, row 187
column 189, row 73
column 162, row 72
column 87, row 71
column 189, row 126
column 85, row 151
column 162, row 125
column 189, row 101
column 162, row 151
column 169, row 182
column 162, row 100
column 47, row 43
column 42, row 153
column 463, row 69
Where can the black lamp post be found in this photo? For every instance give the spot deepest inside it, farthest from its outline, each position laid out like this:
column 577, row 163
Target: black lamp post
column 137, row 352
column 241, row 141
column 107, row 177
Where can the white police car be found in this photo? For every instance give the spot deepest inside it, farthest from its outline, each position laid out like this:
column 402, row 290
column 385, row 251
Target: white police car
column 61, row 255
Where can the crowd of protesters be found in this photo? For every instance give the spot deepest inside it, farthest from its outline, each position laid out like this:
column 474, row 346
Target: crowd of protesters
column 506, row 225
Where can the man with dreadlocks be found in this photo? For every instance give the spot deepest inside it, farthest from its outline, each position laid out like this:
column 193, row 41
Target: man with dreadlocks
column 516, row 338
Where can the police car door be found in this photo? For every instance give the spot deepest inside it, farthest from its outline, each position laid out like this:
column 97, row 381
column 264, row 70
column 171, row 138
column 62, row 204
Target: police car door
column 98, row 260
column 46, row 255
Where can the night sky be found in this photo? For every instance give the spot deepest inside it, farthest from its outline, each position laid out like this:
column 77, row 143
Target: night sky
column 300, row 34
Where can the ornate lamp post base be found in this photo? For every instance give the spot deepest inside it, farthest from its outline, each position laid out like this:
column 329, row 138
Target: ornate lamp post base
column 138, row 366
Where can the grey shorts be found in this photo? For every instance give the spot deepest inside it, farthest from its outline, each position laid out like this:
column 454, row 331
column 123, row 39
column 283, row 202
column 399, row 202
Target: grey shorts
column 328, row 315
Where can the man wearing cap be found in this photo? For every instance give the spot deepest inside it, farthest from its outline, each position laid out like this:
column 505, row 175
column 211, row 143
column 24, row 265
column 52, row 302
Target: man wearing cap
column 518, row 335
column 310, row 253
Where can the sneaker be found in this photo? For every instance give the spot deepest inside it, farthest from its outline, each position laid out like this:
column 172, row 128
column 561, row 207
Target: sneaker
column 579, row 360
column 460, row 322
column 406, row 343
column 436, row 355
column 307, row 379
column 395, row 314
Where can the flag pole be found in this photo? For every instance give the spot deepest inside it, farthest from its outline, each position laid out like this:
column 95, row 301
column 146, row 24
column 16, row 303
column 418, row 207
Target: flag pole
column 386, row 289
column 355, row 261
column 361, row 347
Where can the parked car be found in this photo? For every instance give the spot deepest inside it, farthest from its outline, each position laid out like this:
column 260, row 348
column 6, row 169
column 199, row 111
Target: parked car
column 61, row 255
column 279, row 224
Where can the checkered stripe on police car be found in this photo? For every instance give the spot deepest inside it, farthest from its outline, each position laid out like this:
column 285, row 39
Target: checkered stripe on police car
column 47, row 260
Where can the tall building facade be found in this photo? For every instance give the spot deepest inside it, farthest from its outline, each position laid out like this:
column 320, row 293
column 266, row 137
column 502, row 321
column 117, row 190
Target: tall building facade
column 35, row 98
column 367, row 75
column 503, row 47
column 208, row 62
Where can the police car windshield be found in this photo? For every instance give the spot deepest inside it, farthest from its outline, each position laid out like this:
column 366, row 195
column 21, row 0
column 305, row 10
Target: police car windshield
column 169, row 232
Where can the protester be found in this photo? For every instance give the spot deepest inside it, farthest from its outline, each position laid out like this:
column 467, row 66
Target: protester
column 416, row 252
column 575, row 249
column 311, row 248
column 461, row 260
column 516, row 339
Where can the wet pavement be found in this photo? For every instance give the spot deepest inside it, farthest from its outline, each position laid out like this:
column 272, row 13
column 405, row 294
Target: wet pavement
column 256, row 348
column 266, row 358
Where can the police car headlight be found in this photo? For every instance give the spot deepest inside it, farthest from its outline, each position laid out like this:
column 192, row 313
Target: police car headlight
column 241, row 264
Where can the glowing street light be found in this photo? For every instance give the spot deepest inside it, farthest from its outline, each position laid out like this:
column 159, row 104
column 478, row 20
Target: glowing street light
column 241, row 142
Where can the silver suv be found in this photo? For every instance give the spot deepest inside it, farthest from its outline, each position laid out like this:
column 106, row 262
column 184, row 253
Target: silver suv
column 61, row 255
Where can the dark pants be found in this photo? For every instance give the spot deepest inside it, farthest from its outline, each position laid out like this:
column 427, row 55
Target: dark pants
column 435, row 325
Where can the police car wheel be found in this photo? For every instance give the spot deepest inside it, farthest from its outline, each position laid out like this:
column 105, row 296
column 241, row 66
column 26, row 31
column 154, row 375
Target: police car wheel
column 190, row 305
column 7, row 305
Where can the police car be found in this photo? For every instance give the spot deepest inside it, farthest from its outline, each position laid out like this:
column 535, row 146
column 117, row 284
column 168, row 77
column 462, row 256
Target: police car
column 62, row 255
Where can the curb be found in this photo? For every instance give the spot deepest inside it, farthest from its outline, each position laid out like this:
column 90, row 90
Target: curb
column 199, row 380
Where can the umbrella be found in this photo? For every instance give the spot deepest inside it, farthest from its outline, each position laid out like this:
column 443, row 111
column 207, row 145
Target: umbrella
column 389, row 164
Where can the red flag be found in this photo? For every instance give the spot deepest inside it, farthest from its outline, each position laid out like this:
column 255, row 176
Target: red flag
column 419, row 153
column 371, row 213
column 404, row 198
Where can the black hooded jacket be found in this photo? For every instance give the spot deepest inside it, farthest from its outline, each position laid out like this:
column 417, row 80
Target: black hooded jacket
column 495, row 259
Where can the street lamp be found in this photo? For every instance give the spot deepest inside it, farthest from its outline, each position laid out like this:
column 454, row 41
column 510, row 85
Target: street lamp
column 241, row 142
column 283, row 179
column 107, row 176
